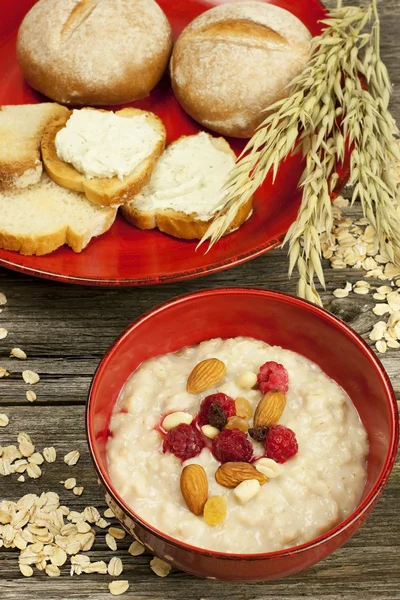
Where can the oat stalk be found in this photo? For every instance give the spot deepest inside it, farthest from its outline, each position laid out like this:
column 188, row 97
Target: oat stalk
column 328, row 109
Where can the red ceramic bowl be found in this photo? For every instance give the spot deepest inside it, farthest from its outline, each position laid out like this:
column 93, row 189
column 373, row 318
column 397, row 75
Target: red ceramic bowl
column 277, row 319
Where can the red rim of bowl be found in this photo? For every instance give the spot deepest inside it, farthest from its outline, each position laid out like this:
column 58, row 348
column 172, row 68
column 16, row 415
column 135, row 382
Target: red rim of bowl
column 322, row 313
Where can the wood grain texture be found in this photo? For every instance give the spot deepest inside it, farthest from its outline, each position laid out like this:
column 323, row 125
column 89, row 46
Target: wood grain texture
column 66, row 330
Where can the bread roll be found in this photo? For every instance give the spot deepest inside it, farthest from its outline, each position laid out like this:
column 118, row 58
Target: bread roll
column 235, row 60
column 94, row 52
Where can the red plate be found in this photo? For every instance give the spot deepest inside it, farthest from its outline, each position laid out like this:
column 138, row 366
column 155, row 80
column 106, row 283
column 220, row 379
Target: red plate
column 125, row 255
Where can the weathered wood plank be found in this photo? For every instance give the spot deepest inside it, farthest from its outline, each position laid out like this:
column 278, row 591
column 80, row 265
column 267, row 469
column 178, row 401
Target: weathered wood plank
column 368, row 563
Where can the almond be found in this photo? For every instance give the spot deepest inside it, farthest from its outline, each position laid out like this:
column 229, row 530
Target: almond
column 230, row 474
column 270, row 409
column 206, row 374
column 194, row 488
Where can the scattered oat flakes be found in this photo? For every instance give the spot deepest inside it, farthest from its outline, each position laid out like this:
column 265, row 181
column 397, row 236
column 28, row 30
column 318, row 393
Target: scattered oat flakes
column 340, row 293
column 117, row 588
column 378, row 296
column 50, row 454
column 3, row 299
column 25, row 444
column 91, row 514
column 102, row 523
column 18, row 353
column 159, row 567
column 136, row 549
column 33, row 471
column 378, row 331
column 96, row 567
column 72, row 458
column 381, row 346
column 111, row 542
column 31, row 396
column 21, row 478
column 4, row 420
column 381, row 309
column 117, row 533
column 78, row 490
column 384, row 289
column 3, row 372
column 3, row 333
column 391, row 271
column 36, row 458
column 361, row 290
column 109, row 514
column 115, row 567
column 30, row 377
column 393, row 344
column 26, row 570
column 70, row 483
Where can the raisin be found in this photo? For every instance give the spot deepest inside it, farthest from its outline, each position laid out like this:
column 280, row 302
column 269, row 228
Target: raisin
column 258, row 433
column 216, row 416
column 215, row 510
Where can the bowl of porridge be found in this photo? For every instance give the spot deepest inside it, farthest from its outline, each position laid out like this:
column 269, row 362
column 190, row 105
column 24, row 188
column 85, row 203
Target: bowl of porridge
column 241, row 434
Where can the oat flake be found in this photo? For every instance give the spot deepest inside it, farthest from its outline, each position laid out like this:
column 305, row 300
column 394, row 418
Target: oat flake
column 111, row 542
column 115, row 567
column 117, row 588
column 136, row 549
column 3, row 333
column 3, row 299
column 18, row 353
column 71, row 458
column 159, row 567
column 30, row 377
column 49, row 454
column 4, row 420
column 31, row 396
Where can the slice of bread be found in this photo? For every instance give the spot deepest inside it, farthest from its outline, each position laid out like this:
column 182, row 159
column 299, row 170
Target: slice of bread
column 101, row 191
column 185, row 189
column 45, row 216
column 21, row 130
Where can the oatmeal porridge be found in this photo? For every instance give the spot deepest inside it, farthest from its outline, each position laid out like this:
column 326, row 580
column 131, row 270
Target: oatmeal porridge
column 278, row 447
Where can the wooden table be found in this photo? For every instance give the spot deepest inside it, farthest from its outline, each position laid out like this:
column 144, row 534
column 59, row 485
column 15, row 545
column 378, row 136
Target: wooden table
column 65, row 331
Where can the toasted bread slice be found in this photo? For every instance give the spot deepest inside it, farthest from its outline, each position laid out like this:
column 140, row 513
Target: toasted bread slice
column 45, row 216
column 185, row 189
column 21, row 129
column 101, row 191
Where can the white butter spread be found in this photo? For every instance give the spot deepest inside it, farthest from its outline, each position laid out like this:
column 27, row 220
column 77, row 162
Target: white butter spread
column 188, row 177
column 103, row 144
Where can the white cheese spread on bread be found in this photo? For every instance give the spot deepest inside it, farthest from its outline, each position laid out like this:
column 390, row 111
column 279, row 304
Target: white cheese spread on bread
column 104, row 145
column 188, row 177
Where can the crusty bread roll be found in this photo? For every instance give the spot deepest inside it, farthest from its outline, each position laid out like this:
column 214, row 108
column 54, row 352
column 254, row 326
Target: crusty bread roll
column 94, row 52
column 103, row 191
column 235, row 60
column 186, row 188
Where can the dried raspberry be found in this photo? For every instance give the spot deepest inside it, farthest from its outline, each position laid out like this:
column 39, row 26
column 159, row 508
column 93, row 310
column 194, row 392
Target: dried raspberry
column 273, row 376
column 232, row 445
column 184, row 441
column 226, row 403
column 281, row 443
column 216, row 416
column 258, row 433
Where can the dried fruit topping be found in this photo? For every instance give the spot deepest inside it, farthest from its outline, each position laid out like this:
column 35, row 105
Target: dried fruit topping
column 247, row 380
column 258, row 433
column 231, row 474
column 273, row 376
column 194, row 488
column 270, row 409
column 184, row 441
column 216, row 416
column 246, row 490
column 215, row 510
column 237, row 423
column 225, row 402
column 243, row 408
column 232, row 445
column 174, row 419
column 280, row 443
column 206, row 374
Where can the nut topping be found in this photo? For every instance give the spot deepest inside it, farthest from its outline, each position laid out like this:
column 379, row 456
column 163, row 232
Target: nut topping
column 194, row 488
column 230, row 474
column 269, row 409
column 204, row 375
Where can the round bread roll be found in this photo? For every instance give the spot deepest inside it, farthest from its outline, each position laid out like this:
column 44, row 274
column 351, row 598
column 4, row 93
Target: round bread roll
column 235, row 60
column 94, row 52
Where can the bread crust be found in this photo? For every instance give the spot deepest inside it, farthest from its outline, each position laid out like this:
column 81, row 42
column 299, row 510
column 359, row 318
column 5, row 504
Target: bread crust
column 181, row 225
column 235, row 60
column 100, row 191
column 94, row 52
column 178, row 223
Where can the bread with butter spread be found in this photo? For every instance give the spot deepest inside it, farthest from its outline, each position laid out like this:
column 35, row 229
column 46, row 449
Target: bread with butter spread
column 41, row 218
column 96, row 143
column 184, row 191
column 21, row 129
